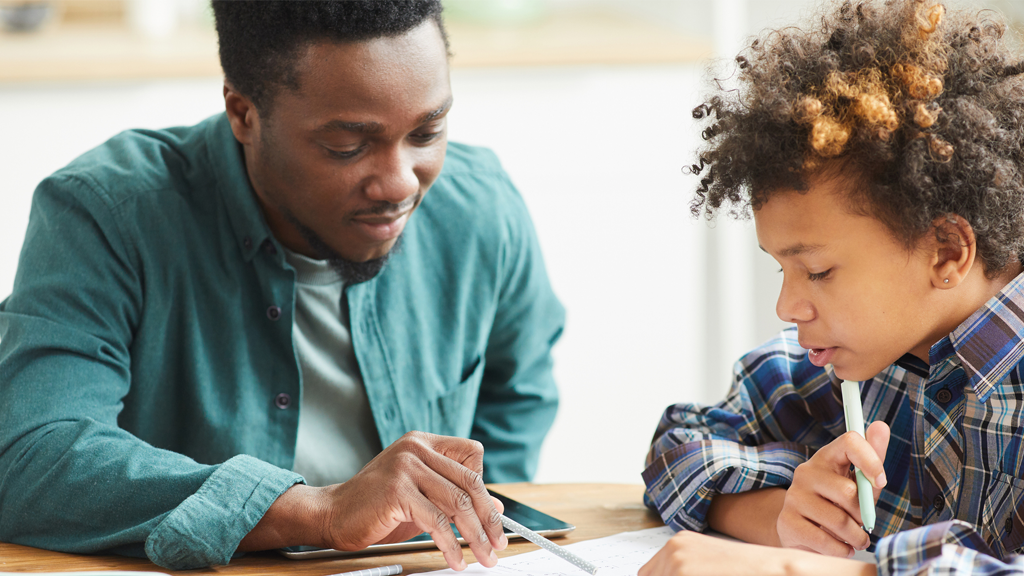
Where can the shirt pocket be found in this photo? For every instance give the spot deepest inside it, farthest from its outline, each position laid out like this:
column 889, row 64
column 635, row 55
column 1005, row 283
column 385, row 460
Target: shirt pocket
column 1001, row 524
column 452, row 413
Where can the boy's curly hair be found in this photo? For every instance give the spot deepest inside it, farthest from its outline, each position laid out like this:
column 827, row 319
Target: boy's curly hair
column 923, row 108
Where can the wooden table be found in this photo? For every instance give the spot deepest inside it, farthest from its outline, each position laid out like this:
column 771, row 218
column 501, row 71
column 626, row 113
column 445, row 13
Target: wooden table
column 595, row 509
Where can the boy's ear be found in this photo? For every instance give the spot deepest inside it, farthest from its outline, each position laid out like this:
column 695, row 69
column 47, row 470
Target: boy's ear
column 955, row 250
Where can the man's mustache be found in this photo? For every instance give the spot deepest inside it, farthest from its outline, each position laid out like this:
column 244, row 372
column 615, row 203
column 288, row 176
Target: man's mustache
column 383, row 208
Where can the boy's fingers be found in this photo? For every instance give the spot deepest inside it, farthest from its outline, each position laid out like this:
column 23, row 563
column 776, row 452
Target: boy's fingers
column 865, row 456
column 878, row 438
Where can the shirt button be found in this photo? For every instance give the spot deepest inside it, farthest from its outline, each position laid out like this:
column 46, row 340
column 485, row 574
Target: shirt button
column 283, row 401
column 938, row 503
column 269, row 247
column 943, row 395
column 273, row 313
column 247, row 242
column 1009, row 525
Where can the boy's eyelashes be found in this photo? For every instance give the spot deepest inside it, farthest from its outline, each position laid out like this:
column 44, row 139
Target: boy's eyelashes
column 815, row 276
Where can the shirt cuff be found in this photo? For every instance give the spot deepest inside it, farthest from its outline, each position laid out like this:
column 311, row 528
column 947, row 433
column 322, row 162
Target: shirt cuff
column 942, row 549
column 682, row 481
column 207, row 527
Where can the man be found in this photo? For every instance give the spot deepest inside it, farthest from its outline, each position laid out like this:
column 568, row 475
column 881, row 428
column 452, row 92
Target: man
column 199, row 311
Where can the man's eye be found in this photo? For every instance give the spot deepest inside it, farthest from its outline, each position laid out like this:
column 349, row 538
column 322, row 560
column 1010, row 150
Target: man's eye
column 819, row 276
column 344, row 154
column 425, row 137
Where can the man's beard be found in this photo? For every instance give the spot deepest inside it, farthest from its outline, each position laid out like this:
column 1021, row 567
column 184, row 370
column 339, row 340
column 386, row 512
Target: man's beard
column 351, row 272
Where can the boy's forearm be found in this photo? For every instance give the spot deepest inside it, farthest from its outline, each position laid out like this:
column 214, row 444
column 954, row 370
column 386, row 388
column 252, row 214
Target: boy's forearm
column 748, row 516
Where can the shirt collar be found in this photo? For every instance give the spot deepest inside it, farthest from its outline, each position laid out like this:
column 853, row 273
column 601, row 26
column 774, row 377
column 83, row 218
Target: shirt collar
column 990, row 342
column 226, row 160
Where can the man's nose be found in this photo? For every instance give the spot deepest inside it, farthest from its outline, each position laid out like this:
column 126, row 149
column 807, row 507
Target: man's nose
column 394, row 179
column 793, row 306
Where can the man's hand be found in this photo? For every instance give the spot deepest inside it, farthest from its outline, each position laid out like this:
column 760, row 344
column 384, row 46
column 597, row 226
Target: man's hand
column 420, row 483
column 694, row 554
column 821, row 512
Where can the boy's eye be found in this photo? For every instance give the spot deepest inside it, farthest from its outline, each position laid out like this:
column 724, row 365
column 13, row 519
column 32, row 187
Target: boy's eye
column 819, row 275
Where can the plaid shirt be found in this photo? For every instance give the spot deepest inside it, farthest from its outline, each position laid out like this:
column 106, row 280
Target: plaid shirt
column 954, row 502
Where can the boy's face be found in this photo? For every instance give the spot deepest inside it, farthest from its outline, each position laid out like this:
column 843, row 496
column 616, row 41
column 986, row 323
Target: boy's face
column 859, row 298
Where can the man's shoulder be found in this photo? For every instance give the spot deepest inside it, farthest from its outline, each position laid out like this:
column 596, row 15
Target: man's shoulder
column 139, row 160
column 473, row 182
column 467, row 159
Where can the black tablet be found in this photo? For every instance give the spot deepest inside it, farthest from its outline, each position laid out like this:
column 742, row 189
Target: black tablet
column 530, row 517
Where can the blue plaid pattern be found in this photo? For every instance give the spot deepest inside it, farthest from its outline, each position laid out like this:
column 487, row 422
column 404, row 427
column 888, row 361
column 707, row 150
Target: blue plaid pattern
column 954, row 502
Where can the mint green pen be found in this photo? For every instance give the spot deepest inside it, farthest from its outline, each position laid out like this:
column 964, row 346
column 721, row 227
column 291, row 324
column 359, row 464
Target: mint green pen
column 855, row 422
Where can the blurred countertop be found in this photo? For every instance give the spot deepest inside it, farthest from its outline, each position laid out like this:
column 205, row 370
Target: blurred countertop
column 104, row 48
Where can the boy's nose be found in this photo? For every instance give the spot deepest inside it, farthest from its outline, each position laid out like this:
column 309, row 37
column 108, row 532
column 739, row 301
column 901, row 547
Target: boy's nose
column 792, row 306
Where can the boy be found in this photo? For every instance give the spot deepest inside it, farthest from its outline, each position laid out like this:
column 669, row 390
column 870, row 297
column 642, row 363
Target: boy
column 880, row 156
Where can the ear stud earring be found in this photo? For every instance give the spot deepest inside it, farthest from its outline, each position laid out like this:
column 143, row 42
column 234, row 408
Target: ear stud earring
column 945, row 281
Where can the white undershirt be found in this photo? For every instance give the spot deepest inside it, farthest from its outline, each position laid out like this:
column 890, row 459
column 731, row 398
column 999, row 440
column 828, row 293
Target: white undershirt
column 337, row 434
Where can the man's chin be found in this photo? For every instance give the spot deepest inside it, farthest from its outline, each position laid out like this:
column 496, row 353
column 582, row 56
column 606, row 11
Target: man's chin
column 356, row 272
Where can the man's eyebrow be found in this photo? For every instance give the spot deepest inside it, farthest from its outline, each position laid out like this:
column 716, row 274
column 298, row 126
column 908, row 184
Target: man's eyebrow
column 342, row 126
column 796, row 249
column 372, row 128
column 435, row 113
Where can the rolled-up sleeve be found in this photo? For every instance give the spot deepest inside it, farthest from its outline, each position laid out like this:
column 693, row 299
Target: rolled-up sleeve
column 71, row 479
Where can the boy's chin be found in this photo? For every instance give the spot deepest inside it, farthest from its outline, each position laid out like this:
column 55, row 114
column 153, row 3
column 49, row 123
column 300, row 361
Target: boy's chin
column 856, row 371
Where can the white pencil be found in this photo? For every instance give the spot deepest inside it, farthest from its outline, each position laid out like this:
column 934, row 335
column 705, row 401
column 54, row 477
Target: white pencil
column 547, row 545
column 379, row 571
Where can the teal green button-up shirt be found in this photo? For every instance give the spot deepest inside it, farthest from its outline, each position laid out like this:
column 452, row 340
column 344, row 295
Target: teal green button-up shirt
column 149, row 388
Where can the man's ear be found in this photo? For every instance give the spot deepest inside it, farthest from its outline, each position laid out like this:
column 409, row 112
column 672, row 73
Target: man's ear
column 242, row 115
column 955, row 250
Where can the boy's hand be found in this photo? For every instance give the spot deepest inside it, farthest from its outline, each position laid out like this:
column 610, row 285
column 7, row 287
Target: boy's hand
column 821, row 512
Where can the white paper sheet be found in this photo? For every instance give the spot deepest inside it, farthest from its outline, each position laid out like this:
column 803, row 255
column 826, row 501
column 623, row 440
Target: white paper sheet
column 619, row 555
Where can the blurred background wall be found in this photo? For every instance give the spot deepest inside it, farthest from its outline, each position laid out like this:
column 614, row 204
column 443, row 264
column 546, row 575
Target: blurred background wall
column 587, row 103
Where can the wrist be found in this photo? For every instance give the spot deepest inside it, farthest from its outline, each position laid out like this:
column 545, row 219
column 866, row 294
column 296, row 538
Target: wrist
column 297, row 517
column 801, row 563
column 731, row 514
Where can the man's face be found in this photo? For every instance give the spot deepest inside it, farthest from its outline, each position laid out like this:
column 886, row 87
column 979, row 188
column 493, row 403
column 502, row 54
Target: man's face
column 340, row 164
column 859, row 298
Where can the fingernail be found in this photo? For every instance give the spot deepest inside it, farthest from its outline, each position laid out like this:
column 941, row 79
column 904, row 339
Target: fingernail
column 880, row 480
column 503, row 541
column 462, row 565
column 493, row 557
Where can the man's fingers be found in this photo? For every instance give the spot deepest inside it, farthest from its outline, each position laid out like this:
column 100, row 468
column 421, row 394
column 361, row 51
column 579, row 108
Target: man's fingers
column 432, row 520
column 466, row 497
column 469, row 453
column 498, row 505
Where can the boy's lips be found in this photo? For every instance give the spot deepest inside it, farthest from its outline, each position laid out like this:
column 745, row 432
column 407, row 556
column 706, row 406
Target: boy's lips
column 821, row 356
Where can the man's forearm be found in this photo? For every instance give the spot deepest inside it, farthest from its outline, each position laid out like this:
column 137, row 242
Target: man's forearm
column 748, row 516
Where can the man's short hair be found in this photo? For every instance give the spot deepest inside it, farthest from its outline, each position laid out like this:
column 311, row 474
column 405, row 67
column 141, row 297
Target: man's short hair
column 260, row 40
